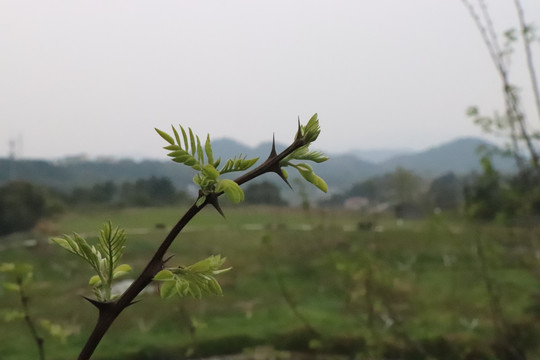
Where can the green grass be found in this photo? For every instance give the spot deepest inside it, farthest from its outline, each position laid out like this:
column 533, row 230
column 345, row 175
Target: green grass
column 424, row 276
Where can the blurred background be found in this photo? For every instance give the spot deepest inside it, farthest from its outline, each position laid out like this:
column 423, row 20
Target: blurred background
column 425, row 246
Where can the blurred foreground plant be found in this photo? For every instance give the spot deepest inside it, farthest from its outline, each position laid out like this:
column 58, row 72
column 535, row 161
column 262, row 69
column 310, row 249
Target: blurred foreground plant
column 198, row 279
column 19, row 280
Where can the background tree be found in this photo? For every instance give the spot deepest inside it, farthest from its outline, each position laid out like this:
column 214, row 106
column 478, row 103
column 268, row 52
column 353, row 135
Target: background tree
column 21, row 206
column 148, row 192
column 406, row 185
column 484, row 198
column 263, row 193
column 446, row 192
column 513, row 123
column 370, row 189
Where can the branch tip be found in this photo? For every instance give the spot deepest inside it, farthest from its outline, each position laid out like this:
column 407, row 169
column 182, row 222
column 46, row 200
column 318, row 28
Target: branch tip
column 299, row 131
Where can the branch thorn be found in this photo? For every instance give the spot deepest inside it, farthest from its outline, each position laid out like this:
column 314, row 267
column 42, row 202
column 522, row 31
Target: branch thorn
column 134, row 302
column 213, row 200
column 273, row 152
column 100, row 305
column 167, row 259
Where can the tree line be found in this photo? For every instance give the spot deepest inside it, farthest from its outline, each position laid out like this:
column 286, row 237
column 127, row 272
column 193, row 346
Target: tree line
column 404, row 191
column 23, row 204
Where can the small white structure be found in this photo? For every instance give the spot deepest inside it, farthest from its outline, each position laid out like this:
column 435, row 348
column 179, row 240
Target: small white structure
column 356, row 203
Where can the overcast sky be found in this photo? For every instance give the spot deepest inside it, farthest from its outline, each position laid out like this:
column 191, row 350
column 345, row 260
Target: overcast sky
column 96, row 77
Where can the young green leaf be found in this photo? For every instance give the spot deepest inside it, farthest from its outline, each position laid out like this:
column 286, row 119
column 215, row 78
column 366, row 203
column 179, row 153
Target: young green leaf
column 121, row 271
column 195, row 280
column 165, row 136
column 192, row 141
column 200, row 153
column 123, row 268
column 94, row 281
column 200, row 201
column 238, row 164
column 307, row 173
column 184, row 136
column 111, row 246
column 104, row 258
column 176, row 136
column 208, row 150
column 164, row 275
column 231, row 189
column 211, row 263
column 210, row 172
column 168, row 289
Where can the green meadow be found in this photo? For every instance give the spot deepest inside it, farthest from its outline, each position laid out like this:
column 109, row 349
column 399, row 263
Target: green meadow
column 303, row 282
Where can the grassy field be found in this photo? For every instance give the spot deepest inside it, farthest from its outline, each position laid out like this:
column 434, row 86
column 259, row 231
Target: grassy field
column 302, row 281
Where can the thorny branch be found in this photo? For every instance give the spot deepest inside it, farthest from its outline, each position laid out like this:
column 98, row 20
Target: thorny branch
column 109, row 311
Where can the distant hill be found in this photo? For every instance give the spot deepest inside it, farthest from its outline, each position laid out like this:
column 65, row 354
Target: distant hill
column 342, row 171
column 459, row 156
column 379, row 155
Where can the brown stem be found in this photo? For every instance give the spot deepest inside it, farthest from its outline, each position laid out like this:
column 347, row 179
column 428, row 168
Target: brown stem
column 528, row 55
column 516, row 114
column 513, row 111
column 24, row 302
column 109, row 311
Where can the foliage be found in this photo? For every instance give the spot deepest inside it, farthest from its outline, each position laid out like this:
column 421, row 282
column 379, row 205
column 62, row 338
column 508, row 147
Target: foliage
column 191, row 153
column 428, row 268
column 484, row 199
column 21, row 206
column 151, row 191
column 406, row 185
column 512, row 124
column 491, row 195
column 20, row 280
column 401, row 188
column 446, row 192
column 104, row 258
column 194, row 280
column 310, row 132
column 197, row 279
column 263, row 193
column 371, row 189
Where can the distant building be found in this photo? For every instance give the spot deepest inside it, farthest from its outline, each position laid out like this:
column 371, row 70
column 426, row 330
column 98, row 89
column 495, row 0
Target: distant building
column 356, row 203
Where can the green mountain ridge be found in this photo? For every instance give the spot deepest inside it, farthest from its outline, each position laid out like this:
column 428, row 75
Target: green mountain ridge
column 340, row 172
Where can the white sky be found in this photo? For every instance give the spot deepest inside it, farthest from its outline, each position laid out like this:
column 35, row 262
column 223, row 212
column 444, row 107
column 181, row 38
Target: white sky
column 97, row 76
